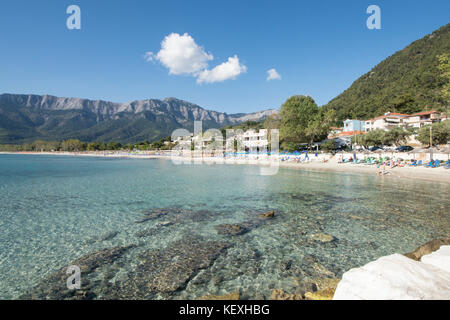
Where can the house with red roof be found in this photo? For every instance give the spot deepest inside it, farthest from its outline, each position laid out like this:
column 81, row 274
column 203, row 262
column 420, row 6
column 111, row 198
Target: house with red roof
column 420, row 119
column 386, row 121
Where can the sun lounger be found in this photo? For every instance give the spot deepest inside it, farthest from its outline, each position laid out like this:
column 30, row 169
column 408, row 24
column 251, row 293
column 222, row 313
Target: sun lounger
column 433, row 164
column 436, row 164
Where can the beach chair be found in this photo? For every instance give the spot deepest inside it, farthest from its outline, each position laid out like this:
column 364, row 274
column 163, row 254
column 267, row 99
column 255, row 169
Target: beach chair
column 429, row 164
column 436, row 164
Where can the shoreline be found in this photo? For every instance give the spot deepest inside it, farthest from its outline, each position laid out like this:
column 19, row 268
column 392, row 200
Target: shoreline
column 416, row 173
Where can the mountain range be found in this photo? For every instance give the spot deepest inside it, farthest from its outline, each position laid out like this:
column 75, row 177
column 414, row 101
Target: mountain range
column 25, row 118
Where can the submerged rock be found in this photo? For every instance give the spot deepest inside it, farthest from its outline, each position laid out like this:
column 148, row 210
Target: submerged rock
column 326, row 294
column 321, row 270
column 266, row 215
column 229, row 296
column 322, row 237
column 428, row 248
column 162, row 272
column 165, row 223
column 55, row 286
column 231, row 229
column 175, row 214
column 155, row 213
column 243, row 227
column 146, row 232
column 322, row 288
column 279, row 294
column 109, row 236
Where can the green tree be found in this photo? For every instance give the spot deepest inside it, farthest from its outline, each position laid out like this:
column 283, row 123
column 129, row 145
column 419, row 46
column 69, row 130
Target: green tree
column 395, row 136
column 441, row 133
column 329, row 145
column 319, row 127
column 94, row 146
column 360, row 140
column 296, row 114
column 374, row 138
column 73, row 145
column 113, row 146
column 272, row 122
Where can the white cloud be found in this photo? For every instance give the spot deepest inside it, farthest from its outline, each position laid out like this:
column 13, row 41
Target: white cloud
column 273, row 75
column 182, row 55
column 227, row 70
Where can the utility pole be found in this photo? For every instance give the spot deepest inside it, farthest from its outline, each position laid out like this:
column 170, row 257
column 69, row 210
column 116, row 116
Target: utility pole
column 431, row 136
column 431, row 142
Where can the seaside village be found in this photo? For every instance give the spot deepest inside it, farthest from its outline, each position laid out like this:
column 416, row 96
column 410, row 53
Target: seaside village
column 255, row 144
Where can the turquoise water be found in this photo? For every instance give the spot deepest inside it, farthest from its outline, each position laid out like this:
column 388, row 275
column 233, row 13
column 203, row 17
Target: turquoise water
column 56, row 209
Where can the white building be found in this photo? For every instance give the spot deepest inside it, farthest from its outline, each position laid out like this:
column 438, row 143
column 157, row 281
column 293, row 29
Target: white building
column 418, row 120
column 252, row 140
column 386, row 122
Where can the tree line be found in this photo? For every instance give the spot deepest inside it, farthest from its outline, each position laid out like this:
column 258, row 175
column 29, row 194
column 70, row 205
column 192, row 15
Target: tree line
column 75, row 145
column 397, row 136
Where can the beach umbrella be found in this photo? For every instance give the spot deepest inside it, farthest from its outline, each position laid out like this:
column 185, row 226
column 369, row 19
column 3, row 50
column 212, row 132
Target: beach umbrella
column 446, row 150
column 428, row 150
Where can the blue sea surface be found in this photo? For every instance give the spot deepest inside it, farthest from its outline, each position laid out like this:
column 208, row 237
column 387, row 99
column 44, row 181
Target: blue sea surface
column 56, row 209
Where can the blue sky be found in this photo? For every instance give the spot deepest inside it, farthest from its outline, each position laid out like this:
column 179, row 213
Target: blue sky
column 317, row 47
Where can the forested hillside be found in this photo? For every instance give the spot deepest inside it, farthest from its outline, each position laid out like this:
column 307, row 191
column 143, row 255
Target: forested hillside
column 408, row 81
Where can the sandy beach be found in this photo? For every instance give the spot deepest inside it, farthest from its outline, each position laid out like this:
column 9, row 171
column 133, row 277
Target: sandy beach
column 315, row 164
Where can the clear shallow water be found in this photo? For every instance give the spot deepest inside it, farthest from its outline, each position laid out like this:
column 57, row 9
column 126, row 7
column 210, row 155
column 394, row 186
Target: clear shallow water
column 56, row 209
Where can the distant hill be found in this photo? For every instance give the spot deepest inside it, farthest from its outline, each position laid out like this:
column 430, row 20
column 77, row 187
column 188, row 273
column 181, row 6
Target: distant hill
column 26, row 118
column 405, row 82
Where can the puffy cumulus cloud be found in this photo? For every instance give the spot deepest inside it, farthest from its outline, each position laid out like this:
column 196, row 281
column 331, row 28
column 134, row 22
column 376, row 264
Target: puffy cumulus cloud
column 272, row 74
column 182, row 55
column 227, row 70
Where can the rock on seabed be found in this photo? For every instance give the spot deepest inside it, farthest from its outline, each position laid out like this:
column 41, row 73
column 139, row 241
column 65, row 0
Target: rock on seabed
column 229, row 296
column 397, row 277
column 322, row 237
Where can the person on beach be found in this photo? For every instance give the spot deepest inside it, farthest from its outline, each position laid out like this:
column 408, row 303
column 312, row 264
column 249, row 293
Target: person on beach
column 381, row 169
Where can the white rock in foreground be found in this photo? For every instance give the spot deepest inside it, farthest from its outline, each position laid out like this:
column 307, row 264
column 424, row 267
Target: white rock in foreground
column 439, row 258
column 397, row 277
